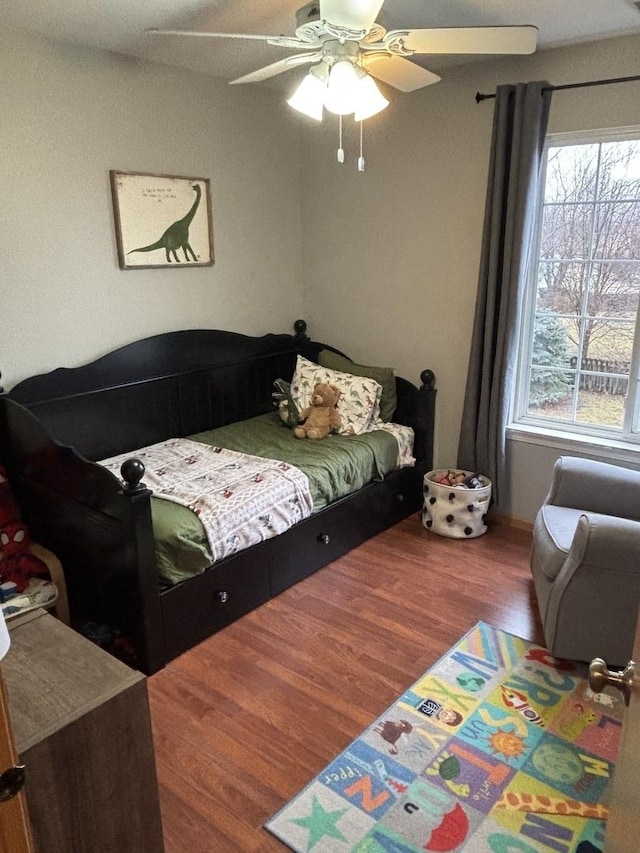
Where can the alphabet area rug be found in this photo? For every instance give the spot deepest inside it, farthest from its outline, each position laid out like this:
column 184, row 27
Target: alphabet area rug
column 498, row 748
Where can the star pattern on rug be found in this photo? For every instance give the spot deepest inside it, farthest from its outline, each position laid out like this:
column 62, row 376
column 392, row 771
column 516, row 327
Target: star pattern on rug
column 321, row 823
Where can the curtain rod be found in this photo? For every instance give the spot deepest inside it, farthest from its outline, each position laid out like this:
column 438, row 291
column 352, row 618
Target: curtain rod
column 480, row 96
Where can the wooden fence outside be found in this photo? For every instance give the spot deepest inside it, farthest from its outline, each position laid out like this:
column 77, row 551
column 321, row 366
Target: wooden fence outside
column 596, row 374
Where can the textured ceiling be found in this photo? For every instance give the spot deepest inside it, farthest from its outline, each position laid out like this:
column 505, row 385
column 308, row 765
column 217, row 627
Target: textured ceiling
column 119, row 25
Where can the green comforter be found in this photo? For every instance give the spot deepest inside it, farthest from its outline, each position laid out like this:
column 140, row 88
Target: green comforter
column 335, row 466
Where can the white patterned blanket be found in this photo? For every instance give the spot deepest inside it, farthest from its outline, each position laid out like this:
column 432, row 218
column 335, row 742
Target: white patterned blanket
column 404, row 435
column 240, row 499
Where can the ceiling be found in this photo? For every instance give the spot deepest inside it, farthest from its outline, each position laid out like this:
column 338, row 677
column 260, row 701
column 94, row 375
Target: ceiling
column 119, row 26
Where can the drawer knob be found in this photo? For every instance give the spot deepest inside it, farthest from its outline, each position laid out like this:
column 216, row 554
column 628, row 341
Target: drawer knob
column 11, row 782
column 324, row 538
column 399, row 498
column 222, row 597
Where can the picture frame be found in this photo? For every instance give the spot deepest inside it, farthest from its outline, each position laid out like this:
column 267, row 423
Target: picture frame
column 162, row 221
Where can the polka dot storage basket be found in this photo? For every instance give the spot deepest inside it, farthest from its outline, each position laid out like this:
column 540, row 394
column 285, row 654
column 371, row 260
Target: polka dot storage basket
column 455, row 511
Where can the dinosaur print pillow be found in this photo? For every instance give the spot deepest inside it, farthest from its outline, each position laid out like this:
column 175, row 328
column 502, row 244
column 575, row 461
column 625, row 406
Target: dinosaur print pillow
column 359, row 403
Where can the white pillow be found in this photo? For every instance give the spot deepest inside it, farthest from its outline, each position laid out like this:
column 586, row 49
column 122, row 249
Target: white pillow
column 359, row 403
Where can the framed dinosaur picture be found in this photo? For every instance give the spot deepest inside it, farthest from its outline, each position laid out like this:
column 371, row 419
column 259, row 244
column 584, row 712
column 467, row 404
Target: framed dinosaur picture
column 162, row 221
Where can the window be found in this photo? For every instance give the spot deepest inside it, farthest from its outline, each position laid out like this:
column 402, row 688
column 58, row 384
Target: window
column 579, row 365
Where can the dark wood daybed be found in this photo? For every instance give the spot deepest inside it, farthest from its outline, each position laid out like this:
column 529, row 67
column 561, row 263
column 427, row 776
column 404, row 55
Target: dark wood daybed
column 173, row 385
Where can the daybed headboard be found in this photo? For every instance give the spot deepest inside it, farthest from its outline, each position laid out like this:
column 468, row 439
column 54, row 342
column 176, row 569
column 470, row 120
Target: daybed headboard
column 173, row 384
column 180, row 383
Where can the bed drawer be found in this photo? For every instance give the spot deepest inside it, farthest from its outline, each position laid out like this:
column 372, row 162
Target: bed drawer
column 326, row 536
column 202, row 605
column 399, row 495
column 331, row 533
column 314, row 543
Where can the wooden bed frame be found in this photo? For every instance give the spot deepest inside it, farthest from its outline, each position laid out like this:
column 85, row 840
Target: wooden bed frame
column 175, row 384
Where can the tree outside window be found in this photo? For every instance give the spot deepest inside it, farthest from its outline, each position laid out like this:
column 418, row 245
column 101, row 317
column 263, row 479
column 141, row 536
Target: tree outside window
column 583, row 334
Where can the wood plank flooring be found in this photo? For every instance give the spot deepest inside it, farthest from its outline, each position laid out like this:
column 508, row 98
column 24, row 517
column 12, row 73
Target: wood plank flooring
column 243, row 721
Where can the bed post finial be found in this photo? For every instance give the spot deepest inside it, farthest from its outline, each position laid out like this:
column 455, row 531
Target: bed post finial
column 428, row 379
column 300, row 328
column 132, row 471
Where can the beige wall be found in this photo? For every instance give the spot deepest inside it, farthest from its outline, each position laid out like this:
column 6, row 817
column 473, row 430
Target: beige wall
column 384, row 265
column 390, row 256
column 68, row 116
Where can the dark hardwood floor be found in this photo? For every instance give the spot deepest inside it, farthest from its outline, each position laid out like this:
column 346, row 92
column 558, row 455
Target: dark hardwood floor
column 246, row 719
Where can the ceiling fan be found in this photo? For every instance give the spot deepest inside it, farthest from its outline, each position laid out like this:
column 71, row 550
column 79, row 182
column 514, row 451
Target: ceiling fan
column 346, row 49
column 333, row 31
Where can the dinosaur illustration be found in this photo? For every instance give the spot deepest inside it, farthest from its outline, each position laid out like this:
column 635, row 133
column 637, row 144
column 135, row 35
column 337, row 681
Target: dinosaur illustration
column 177, row 235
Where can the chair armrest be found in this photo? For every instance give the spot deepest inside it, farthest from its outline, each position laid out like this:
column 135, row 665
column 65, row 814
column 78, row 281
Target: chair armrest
column 595, row 487
column 592, row 606
column 57, row 576
column 606, row 543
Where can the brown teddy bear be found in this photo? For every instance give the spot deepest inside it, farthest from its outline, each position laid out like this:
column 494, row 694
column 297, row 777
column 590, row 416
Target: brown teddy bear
column 322, row 415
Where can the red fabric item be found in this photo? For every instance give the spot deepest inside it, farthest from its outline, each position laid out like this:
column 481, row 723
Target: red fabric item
column 17, row 563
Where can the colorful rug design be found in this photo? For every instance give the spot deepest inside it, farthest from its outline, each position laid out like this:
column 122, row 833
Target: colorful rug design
column 499, row 748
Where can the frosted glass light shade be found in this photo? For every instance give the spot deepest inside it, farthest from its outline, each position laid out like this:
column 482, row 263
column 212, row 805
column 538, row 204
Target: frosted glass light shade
column 340, row 95
column 349, row 90
column 370, row 99
column 308, row 98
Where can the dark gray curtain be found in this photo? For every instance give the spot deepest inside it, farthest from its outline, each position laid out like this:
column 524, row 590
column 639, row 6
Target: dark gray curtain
column 519, row 127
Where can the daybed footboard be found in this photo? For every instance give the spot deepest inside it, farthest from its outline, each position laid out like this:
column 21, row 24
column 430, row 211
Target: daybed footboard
column 175, row 385
column 100, row 531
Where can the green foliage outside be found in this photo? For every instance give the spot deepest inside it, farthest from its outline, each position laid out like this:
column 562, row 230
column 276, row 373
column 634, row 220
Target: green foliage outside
column 549, row 348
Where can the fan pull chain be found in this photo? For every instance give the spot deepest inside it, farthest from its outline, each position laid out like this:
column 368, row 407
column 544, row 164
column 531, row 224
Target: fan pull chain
column 340, row 151
column 361, row 162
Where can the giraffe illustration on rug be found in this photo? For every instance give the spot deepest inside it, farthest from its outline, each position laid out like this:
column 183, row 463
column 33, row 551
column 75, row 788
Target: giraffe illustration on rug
column 177, row 235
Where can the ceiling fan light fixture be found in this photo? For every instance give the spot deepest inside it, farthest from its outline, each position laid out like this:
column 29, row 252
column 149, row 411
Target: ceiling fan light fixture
column 309, row 97
column 370, row 99
column 341, row 95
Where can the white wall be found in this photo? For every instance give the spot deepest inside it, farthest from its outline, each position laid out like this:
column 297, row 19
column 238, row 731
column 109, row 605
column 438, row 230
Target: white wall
column 68, row 116
column 391, row 256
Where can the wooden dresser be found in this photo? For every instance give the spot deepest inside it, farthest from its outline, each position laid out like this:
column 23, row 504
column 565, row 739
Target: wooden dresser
column 82, row 728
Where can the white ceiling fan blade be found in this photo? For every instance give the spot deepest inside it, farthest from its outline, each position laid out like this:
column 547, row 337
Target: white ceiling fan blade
column 398, row 72
column 278, row 67
column 471, row 40
column 350, row 14
column 292, row 42
column 200, row 33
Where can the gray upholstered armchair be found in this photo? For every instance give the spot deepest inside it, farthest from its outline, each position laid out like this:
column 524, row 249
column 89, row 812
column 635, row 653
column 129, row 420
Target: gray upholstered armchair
column 585, row 560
